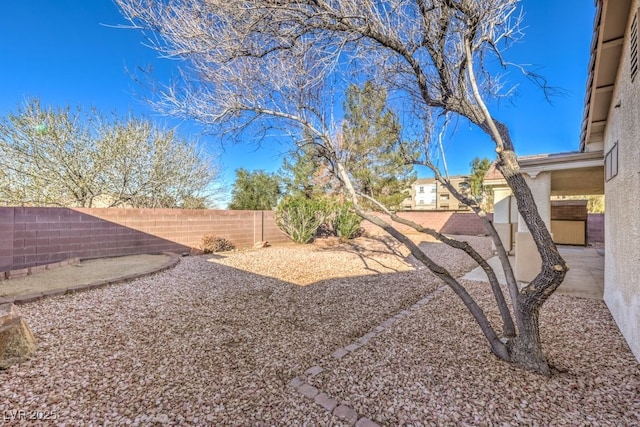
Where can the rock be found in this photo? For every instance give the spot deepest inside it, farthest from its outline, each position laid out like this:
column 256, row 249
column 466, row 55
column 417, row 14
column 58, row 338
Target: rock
column 7, row 312
column 346, row 413
column 328, row 242
column 17, row 342
column 262, row 244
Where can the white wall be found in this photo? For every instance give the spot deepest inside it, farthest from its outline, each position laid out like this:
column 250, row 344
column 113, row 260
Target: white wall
column 622, row 223
column 427, row 196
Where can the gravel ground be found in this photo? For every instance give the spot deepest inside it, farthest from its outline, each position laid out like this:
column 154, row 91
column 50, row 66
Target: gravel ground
column 217, row 341
column 434, row 368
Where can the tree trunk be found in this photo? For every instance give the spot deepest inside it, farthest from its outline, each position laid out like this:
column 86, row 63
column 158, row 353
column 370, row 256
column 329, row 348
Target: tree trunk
column 526, row 350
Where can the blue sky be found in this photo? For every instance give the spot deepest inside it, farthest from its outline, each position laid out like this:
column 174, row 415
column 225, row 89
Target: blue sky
column 65, row 52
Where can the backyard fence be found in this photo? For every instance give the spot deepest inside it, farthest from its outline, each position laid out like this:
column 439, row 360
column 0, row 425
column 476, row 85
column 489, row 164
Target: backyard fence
column 595, row 228
column 447, row 222
column 37, row 236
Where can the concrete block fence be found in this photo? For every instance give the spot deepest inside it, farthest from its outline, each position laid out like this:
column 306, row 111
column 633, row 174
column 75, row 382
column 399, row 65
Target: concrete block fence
column 468, row 223
column 595, row 228
column 448, row 222
column 569, row 212
column 37, row 236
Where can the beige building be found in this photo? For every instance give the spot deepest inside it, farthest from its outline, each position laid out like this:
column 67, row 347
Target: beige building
column 429, row 194
column 607, row 162
column 612, row 123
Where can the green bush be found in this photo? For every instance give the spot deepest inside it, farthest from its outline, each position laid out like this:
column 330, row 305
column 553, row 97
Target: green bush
column 302, row 218
column 299, row 217
column 212, row 243
column 346, row 223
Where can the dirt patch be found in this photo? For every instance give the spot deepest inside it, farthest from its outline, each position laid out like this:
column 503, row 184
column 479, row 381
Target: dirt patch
column 323, row 260
column 331, row 258
column 83, row 273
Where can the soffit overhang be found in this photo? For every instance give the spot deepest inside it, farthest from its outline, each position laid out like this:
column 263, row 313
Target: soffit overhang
column 609, row 28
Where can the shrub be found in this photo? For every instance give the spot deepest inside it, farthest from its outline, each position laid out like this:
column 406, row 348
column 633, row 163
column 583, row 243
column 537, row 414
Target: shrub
column 340, row 220
column 299, row 217
column 346, row 223
column 212, row 243
column 302, row 219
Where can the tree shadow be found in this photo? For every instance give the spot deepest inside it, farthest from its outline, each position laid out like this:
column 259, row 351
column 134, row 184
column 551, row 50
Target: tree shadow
column 372, row 250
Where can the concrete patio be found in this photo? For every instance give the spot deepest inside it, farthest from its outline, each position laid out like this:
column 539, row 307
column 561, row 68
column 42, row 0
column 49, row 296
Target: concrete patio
column 585, row 278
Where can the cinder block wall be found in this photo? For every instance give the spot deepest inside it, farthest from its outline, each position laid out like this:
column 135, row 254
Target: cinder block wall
column 467, row 223
column 36, row 236
column 449, row 222
column 187, row 226
column 595, row 228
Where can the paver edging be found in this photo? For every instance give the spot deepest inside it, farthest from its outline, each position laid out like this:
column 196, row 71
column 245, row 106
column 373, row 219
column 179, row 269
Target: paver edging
column 28, row 271
column 331, row 404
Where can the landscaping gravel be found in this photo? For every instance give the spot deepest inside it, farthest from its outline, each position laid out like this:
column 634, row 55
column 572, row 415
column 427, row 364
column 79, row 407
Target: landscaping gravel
column 234, row 339
column 434, row 368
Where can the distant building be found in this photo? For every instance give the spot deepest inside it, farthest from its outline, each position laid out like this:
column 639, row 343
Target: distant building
column 429, row 194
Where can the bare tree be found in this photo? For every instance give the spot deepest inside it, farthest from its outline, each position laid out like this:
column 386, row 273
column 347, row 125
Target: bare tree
column 64, row 157
column 258, row 64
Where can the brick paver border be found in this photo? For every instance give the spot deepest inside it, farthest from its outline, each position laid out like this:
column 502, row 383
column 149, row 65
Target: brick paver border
column 22, row 272
column 332, row 404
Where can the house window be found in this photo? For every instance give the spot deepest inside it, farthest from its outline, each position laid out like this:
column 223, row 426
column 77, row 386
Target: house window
column 444, row 197
column 634, row 47
column 462, row 207
column 421, row 189
column 444, row 206
column 611, row 163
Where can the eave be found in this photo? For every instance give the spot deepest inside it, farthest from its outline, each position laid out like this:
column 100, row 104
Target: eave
column 606, row 50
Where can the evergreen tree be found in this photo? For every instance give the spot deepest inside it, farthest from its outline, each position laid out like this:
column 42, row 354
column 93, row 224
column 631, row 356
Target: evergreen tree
column 256, row 190
column 307, row 173
column 371, row 136
column 479, row 168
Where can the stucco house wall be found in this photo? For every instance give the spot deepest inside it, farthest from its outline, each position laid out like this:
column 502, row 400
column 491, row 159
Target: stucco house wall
column 622, row 202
